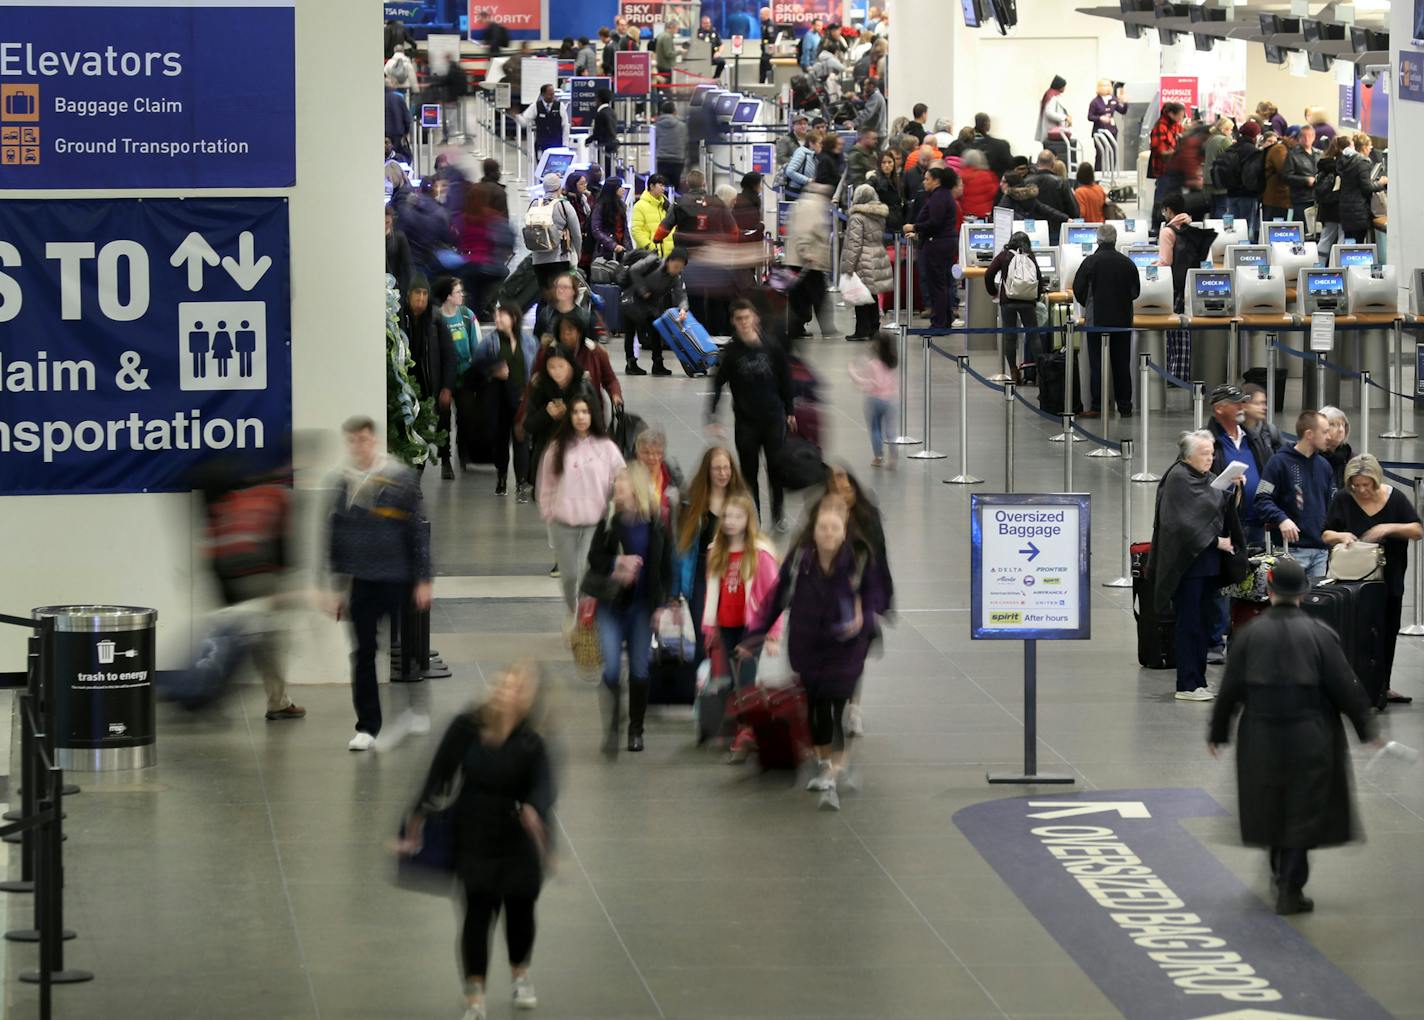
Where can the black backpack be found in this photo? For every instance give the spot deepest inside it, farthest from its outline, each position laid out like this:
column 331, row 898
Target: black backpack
column 1226, row 170
column 1253, row 171
column 1192, row 248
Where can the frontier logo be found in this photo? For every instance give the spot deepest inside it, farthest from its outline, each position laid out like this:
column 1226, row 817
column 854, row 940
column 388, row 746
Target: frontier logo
column 19, row 125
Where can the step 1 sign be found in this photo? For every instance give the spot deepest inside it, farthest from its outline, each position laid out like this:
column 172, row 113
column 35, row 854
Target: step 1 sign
column 1029, row 562
column 142, row 338
column 147, row 94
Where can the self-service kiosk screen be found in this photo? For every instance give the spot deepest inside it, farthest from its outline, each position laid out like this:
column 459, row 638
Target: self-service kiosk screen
column 699, row 94
column 1291, row 232
column 746, row 111
column 1256, row 257
column 726, row 103
column 1325, row 284
column 981, row 238
column 1080, row 235
column 558, row 163
column 1143, row 259
column 1046, row 262
column 1356, row 257
column 1210, row 285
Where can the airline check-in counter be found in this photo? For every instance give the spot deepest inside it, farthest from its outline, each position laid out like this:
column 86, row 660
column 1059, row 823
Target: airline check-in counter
column 1209, row 301
column 1261, row 299
column 1319, row 290
column 976, row 251
column 1229, row 231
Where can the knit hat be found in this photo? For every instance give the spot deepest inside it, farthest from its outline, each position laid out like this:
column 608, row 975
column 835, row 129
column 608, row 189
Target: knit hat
column 552, row 184
column 418, row 282
column 1251, row 130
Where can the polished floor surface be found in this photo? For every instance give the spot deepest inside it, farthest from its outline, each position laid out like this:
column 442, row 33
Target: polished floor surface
column 247, row 876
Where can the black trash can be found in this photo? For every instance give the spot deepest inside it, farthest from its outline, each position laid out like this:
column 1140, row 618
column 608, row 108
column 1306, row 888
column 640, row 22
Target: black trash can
column 102, row 676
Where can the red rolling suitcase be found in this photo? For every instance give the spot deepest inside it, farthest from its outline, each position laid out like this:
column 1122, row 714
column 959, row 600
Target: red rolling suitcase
column 778, row 718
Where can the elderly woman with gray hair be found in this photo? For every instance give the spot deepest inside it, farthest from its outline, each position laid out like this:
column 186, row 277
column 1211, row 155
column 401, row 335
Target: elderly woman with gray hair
column 1197, row 546
column 1366, row 509
column 1337, row 443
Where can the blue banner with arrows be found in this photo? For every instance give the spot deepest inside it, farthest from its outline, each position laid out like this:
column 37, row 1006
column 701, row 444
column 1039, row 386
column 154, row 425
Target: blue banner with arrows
column 142, row 337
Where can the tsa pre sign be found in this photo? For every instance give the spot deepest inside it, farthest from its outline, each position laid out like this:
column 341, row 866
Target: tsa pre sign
column 139, row 338
column 147, row 94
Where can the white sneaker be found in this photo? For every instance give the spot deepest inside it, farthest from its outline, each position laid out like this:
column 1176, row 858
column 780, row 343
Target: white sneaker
column 854, row 723
column 822, row 780
column 419, row 725
column 475, row 1012
column 1200, row 694
column 393, row 733
column 523, row 993
column 829, row 801
column 362, row 741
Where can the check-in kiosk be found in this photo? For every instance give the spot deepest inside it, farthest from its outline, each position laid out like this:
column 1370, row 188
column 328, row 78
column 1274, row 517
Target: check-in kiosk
column 1037, row 231
column 1070, row 257
column 1134, row 231
column 976, row 244
column 557, row 160
column 1372, row 294
column 1320, row 290
column 1047, row 259
column 1282, row 232
column 1076, row 232
column 1346, row 255
column 1260, row 302
column 1209, row 300
column 1152, row 315
column 1239, row 256
column 1229, row 231
column 976, row 251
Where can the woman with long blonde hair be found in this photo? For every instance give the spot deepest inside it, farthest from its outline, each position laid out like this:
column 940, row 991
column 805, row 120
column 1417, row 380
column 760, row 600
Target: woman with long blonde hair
column 717, row 479
column 741, row 571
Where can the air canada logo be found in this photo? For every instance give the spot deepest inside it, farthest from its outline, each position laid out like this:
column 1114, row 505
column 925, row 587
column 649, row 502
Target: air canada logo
column 19, row 125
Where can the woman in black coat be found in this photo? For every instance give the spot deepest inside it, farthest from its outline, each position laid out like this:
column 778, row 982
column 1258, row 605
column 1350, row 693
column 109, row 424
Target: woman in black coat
column 547, row 400
column 498, row 768
column 1290, row 679
column 889, row 188
column 1356, row 190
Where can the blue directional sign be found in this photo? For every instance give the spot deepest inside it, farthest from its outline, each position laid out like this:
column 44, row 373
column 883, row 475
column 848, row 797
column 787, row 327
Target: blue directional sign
column 141, row 338
column 147, row 94
column 1162, row 927
column 1029, row 560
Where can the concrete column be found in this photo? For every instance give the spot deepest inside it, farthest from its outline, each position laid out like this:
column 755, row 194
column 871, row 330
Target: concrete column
column 923, row 40
column 1406, row 158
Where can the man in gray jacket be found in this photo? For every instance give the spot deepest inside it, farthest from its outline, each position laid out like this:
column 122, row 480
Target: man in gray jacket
column 873, row 115
column 549, row 264
column 670, row 144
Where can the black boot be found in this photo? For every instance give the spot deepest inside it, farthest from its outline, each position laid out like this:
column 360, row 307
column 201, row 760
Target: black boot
column 447, row 471
column 660, row 369
column 611, row 700
column 634, row 368
column 637, row 709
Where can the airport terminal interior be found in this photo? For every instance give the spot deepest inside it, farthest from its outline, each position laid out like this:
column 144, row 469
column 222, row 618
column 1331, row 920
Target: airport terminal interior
column 227, row 857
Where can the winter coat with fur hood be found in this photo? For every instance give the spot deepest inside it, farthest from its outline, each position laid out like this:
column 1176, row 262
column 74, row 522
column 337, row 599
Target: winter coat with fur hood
column 864, row 250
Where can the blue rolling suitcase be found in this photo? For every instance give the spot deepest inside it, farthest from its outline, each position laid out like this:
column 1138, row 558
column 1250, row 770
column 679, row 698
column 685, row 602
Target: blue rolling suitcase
column 611, row 296
column 689, row 341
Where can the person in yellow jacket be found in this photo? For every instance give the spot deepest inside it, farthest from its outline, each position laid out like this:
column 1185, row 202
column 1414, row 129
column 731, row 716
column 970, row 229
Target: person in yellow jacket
column 648, row 212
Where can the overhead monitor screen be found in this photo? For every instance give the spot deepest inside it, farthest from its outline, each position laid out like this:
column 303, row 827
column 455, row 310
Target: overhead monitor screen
column 1325, row 284
column 1213, row 284
column 1357, row 256
column 1292, row 233
column 746, row 111
column 726, row 103
column 981, row 238
column 1080, row 235
column 1143, row 259
column 971, row 13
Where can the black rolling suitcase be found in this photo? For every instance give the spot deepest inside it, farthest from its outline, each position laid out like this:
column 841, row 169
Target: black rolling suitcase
column 1156, row 638
column 1052, row 367
column 1354, row 610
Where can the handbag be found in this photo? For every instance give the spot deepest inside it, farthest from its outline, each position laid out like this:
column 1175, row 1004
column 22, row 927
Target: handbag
column 674, row 637
column 854, row 290
column 587, row 649
column 1361, row 561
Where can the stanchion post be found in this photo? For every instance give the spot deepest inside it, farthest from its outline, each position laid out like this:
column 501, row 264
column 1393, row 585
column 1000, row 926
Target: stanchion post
column 902, row 420
column 1233, row 352
column 999, row 376
column 927, row 452
column 1068, row 392
column 835, row 246
column 1320, row 400
column 1124, row 579
column 1364, row 411
column 964, row 477
column 1396, row 402
column 1067, row 454
column 1416, row 629
column 1009, row 437
column 1198, row 404
column 1144, row 379
column 1105, row 388
column 1271, row 356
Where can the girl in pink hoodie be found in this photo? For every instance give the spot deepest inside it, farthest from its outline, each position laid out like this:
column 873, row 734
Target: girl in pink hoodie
column 741, row 570
column 875, row 377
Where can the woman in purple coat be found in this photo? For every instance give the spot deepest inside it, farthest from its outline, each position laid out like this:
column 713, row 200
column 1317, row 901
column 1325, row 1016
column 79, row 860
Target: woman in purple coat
column 833, row 604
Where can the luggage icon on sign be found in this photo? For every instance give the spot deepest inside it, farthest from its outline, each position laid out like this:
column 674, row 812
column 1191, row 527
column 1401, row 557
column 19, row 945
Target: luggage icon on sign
column 19, row 103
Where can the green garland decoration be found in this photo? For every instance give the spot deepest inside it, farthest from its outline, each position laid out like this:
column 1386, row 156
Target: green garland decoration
column 413, row 432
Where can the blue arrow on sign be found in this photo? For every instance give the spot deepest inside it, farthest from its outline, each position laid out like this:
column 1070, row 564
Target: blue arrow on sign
column 1031, row 551
column 1151, row 915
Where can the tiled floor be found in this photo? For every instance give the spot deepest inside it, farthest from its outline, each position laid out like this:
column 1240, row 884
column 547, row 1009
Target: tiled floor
column 247, row 875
